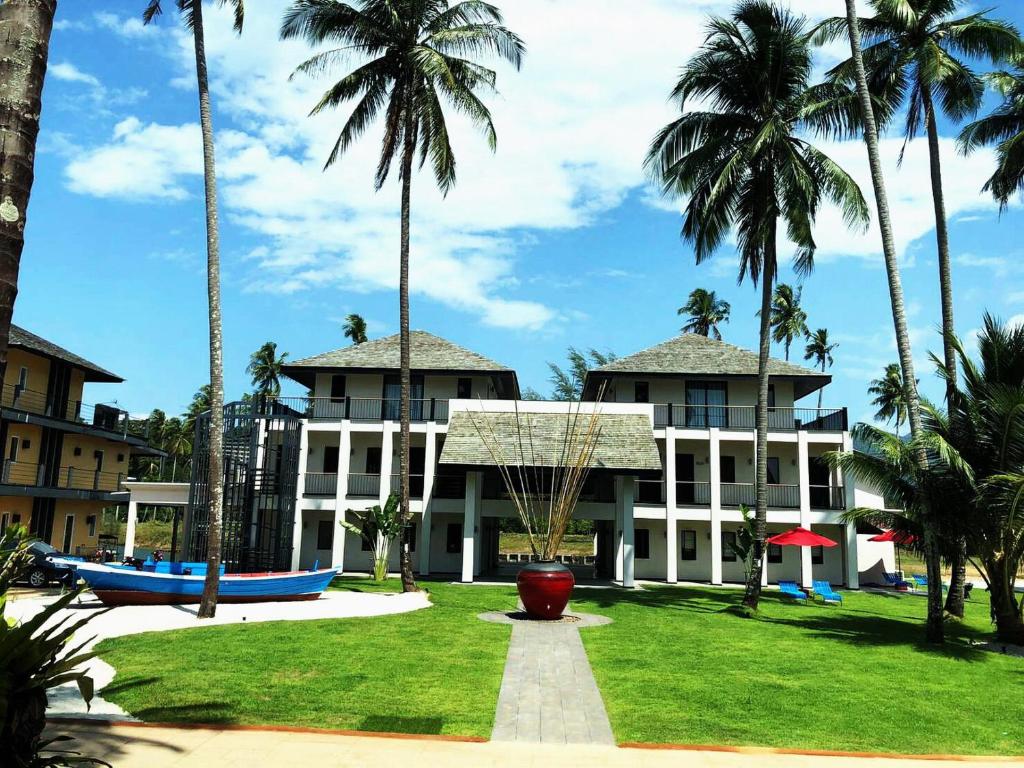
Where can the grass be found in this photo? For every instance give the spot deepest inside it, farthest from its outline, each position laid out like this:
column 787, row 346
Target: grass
column 676, row 667
column 434, row 671
column 572, row 544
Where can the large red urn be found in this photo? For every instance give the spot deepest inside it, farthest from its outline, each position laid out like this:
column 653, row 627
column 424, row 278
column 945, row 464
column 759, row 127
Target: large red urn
column 545, row 589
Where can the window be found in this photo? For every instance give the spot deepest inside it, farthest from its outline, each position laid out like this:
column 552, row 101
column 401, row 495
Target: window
column 688, row 548
column 728, row 544
column 641, row 392
column 642, row 544
column 817, row 555
column 337, row 388
column 22, row 380
column 90, row 523
column 98, row 456
column 774, row 553
column 25, row 443
column 453, row 540
column 373, row 460
column 369, row 536
column 727, row 469
column 12, row 454
column 774, row 476
column 464, row 389
column 77, row 451
column 120, row 458
column 325, row 535
column 706, row 401
column 331, row 459
column 15, row 519
column 771, row 397
column 4, row 521
column 69, row 530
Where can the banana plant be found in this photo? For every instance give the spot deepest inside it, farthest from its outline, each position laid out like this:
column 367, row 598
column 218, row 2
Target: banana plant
column 380, row 527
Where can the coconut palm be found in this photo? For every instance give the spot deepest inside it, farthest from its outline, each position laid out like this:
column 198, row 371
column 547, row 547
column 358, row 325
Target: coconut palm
column 265, row 369
column 704, row 313
column 418, row 53
column 567, row 383
column 912, row 56
column 24, row 49
column 192, row 14
column 1004, row 128
column 176, row 439
column 864, row 121
column 890, row 396
column 355, row 328
column 819, row 349
column 740, row 157
column 788, row 319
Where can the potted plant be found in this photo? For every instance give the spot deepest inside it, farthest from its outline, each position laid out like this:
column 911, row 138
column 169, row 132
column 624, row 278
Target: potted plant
column 544, row 476
column 380, row 527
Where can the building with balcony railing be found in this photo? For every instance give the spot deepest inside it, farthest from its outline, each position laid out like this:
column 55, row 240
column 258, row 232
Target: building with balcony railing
column 63, row 458
column 666, row 500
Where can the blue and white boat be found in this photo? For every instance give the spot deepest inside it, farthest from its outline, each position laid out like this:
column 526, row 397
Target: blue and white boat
column 178, row 584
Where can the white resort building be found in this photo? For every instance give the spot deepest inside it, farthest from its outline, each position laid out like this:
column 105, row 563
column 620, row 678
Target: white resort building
column 673, row 467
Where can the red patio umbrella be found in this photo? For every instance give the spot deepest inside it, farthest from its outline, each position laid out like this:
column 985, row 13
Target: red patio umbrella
column 900, row 539
column 801, row 537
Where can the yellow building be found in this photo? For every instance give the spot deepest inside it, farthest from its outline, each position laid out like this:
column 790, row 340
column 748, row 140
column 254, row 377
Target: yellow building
column 64, row 460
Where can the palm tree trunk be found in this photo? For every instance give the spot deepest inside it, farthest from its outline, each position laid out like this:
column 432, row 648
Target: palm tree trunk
column 934, row 628
column 404, row 554
column 957, row 579
column 1006, row 610
column 208, row 602
column 752, row 595
column 24, row 48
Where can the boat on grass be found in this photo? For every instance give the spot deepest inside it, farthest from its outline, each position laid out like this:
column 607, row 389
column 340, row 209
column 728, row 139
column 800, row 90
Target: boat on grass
column 177, row 585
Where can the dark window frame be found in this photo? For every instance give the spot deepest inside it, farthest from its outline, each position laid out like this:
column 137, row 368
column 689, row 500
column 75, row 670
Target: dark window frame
column 728, row 554
column 778, row 470
column 642, row 544
column 336, row 396
column 774, row 554
column 453, row 539
column 641, row 391
column 464, row 388
column 817, row 555
column 687, row 553
column 322, row 527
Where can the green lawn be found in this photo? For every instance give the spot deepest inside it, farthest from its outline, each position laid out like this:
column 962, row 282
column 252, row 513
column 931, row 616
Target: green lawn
column 436, row 670
column 675, row 667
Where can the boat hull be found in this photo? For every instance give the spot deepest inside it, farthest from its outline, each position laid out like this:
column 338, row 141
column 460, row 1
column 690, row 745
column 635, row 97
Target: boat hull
column 115, row 585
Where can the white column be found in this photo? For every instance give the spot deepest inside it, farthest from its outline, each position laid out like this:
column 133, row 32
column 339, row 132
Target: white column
column 340, row 495
column 471, row 517
column 429, row 470
column 764, row 558
column 852, row 564
column 617, row 532
column 715, row 475
column 129, row 532
column 387, row 449
column 803, row 466
column 671, row 513
column 300, row 489
column 628, row 491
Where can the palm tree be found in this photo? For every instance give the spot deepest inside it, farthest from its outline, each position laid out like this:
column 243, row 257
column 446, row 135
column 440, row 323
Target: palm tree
column 864, row 120
column 265, row 369
column 911, row 55
column 890, row 396
column 355, row 328
column 415, row 56
column 788, row 319
column 200, row 404
column 820, row 349
column 568, row 383
column 176, row 439
column 705, row 312
column 1004, row 128
column 24, row 49
column 741, row 159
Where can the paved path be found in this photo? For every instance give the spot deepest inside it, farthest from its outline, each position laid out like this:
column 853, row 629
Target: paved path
column 125, row 746
column 548, row 693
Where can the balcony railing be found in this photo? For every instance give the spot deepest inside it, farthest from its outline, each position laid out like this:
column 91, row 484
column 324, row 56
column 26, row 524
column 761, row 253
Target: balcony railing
column 828, row 497
column 650, row 491
column 365, row 408
column 689, row 492
column 104, row 417
column 363, row 485
column 744, row 417
column 321, row 483
column 745, row 494
column 68, row 478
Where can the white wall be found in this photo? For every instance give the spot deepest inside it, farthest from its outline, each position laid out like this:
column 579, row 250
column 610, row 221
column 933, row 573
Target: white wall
column 371, row 385
column 673, row 390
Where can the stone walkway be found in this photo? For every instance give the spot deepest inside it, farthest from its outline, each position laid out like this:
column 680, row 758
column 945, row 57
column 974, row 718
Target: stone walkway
column 548, row 692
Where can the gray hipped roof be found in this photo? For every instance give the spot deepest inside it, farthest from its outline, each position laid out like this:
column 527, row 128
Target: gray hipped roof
column 429, row 353
column 626, row 441
column 22, row 339
column 690, row 354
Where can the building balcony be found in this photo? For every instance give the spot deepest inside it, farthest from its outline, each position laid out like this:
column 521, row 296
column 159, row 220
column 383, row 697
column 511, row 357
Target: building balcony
column 364, row 408
column 368, row 485
column 23, row 474
column 321, row 484
column 698, row 494
column 104, row 417
column 744, row 417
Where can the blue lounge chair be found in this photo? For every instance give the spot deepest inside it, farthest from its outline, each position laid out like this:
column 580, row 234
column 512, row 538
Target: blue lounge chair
column 894, row 580
column 824, row 590
column 922, row 581
column 790, row 589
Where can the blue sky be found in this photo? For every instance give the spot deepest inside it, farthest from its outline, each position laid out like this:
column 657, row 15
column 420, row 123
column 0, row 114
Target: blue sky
column 556, row 240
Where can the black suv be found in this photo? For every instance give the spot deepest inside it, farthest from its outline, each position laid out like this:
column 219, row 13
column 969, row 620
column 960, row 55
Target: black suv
column 42, row 570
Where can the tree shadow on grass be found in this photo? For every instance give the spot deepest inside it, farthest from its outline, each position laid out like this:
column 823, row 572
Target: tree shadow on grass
column 399, row 724
column 677, row 598
column 205, row 712
column 117, row 687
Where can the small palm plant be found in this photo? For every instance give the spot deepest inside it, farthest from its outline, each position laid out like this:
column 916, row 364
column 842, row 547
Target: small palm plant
column 380, row 526
column 704, row 312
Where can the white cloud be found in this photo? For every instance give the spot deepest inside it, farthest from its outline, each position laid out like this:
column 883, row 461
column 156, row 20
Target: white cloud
column 130, row 27
column 65, row 70
column 1000, row 265
column 573, row 128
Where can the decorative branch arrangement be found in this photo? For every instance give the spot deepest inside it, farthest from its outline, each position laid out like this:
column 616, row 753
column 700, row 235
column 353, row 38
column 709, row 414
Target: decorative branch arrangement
column 544, row 484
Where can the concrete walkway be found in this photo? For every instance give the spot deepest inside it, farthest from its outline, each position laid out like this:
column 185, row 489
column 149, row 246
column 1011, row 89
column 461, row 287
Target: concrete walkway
column 126, row 746
column 548, row 692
